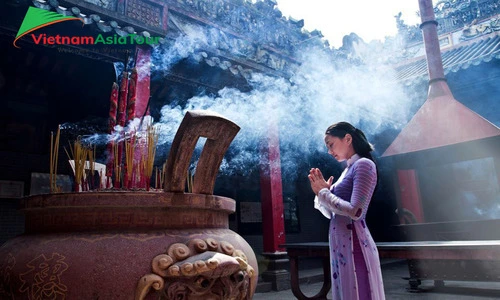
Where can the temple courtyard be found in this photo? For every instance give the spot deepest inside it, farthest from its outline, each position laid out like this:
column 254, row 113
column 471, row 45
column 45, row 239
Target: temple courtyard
column 395, row 273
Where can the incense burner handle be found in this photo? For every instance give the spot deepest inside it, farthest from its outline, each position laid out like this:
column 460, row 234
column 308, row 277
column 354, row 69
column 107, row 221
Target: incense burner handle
column 219, row 132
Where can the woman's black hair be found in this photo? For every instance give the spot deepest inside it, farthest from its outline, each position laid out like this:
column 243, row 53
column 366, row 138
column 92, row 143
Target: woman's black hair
column 359, row 142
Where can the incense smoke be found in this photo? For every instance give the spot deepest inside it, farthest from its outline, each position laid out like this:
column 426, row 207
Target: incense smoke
column 318, row 94
column 321, row 90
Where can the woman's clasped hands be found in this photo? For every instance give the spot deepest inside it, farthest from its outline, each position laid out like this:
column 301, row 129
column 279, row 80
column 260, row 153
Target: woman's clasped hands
column 318, row 181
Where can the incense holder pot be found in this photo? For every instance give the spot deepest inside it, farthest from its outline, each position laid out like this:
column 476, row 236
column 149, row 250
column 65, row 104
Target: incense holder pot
column 127, row 245
column 165, row 244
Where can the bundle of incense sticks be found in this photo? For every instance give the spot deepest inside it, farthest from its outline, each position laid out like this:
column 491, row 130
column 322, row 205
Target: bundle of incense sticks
column 90, row 179
column 131, row 160
column 116, row 166
column 130, row 164
column 160, row 176
column 78, row 155
column 54, row 156
column 152, row 141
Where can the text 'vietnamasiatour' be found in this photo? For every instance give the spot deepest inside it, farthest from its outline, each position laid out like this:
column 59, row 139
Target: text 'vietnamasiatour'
column 131, row 39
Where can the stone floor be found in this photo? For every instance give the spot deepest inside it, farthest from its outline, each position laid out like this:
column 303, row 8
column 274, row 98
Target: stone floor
column 394, row 273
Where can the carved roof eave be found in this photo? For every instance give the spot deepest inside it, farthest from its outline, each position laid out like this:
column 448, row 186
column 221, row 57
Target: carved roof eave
column 228, row 30
column 453, row 15
column 238, row 65
column 107, row 24
column 460, row 57
column 263, row 10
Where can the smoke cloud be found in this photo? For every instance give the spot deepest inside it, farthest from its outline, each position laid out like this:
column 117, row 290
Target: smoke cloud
column 319, row 93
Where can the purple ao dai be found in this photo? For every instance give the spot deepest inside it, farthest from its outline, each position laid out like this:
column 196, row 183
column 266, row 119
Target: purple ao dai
column 346, row 204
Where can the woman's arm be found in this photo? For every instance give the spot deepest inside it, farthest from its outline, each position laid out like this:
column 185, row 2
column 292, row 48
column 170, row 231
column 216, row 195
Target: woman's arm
column 364, row 181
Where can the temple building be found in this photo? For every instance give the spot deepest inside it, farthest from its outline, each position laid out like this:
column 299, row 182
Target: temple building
column 446, row 157
column 190, row 49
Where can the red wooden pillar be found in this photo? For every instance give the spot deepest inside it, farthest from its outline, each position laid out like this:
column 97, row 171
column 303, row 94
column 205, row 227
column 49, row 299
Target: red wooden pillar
column 410, row 206
column 273, row 224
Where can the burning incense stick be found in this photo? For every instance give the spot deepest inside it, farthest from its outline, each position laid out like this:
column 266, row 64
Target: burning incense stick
column 162, row 174
column 129, row 161
column 117, row 166
column 91, row 161
column 157, row 178
column 54, row 157
column 152, row 140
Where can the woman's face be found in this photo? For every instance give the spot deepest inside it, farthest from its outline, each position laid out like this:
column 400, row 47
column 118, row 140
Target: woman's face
column 340, row 148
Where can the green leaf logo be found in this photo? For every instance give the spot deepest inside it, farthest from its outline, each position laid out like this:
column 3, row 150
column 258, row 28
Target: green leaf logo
column 37, row 18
